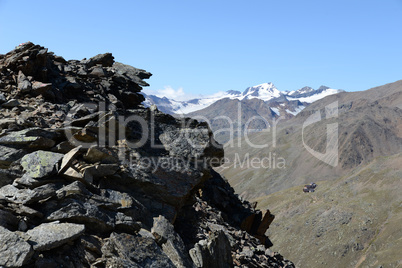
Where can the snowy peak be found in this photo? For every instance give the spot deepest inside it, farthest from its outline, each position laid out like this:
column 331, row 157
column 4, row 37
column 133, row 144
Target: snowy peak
column 303, row 90
column 233, row 92
column 265, row 92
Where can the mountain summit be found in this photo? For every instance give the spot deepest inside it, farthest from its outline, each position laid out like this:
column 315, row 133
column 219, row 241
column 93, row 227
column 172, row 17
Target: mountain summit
column 85, row 182
column 266, row 92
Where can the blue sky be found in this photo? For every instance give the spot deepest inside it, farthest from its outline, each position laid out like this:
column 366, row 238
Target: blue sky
column 203, row 46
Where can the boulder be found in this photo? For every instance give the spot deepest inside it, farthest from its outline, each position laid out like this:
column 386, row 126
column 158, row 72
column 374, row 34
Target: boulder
column 41, row 164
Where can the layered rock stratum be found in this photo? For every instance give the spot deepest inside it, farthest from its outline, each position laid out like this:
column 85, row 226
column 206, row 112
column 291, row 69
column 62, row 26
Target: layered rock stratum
column 91, row 178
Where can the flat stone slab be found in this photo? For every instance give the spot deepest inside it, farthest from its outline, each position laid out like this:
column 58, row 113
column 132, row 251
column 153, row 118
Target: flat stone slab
column 52, row 235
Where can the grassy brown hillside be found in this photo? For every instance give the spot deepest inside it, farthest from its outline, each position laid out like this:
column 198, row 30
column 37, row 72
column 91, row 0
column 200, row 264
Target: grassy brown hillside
column 354, row 221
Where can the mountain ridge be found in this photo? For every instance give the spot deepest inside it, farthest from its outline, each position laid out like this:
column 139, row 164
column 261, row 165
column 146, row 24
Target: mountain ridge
column 266, row 92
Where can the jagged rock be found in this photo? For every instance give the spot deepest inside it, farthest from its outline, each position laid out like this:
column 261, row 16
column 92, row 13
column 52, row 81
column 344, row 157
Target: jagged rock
column 134, row 164
column 41, row 164
column 20, row 209
column 124, row 223
column 14, row 251
column 124, row 250
column 106, row 60
column 84, row 212
column 214, row 252
column 2, row 98
column 28, row 181
column 10, row 104
column 24, row 85
column 51, row 235
column 75, row 188
column 68, row 159
column 265, row 222
column 9, row 155
column 27, row 196
column 171, row 242
column 39, row 88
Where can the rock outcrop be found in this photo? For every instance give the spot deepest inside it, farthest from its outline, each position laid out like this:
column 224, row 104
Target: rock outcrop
column 91, row 178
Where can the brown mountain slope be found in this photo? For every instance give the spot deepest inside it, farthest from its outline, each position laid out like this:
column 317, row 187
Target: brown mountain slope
column 353, row 221
column 233, row 114
column 366, row 129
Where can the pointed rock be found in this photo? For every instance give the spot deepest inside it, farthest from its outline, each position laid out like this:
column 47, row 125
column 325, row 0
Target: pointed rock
column 69, row 158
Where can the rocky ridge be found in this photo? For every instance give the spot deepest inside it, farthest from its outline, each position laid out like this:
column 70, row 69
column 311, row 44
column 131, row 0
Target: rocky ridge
column 91, row 178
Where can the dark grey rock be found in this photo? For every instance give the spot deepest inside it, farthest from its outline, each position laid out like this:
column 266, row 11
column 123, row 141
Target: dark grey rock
column 134, row 251
column 23, row 83
column 8, row 220
column 7, row 176
column 33, row 138
column 106, row 60
column 51, row 235
column 84, row 212
column 11, row 104
column 171, row 242
column 9, row 155
column 2, row 98
column 27, row 196
column 14, row 251
column 75, row 188
column 214, row 252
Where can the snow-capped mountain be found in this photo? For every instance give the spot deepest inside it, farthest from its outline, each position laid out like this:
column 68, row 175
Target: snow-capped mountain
column 281, row 102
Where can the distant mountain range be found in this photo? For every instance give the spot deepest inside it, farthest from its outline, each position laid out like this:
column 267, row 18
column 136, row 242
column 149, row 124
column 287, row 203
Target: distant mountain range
column 254, row 109
column 353, row 218
column 281, row 103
